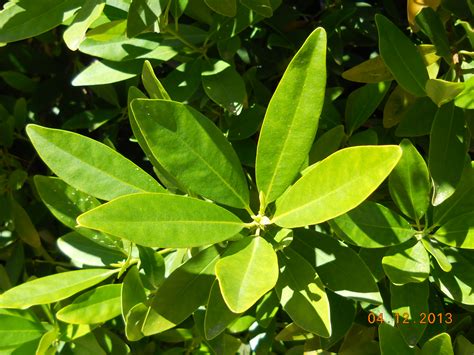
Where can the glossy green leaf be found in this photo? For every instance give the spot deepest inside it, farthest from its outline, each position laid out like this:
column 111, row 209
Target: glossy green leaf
column 88, row 165
column 464, row 99
column 223, row 7
column 107, row 72
column 362, row 103
column 439, row 344
column 182, row 221
column 456, row 284
column 153, row 265
column 132, row 292
column 29, row 18
column 432, row 25
column 437, row 252
column 184, row 81
column 88, row 13
column 302, row 294
column 52, row 288
column 401, row 57
column 292, row 117
column 218, row 315
column 391, row 341
column 142, row 16
column 223, row 84
column 343, row 312
column 191, row 148
column 371, row 71
column 339, row 267
column 96, row 306
column 442, row 91
column 457, row 232
column 152, row 85
column 327, row 144
column 409, row 301
column 261, row 7
column 16, row 331
column 247, row 271
column 407, row 262
column 409, row 183
column 335, row 185
column 447, row 151
column 188, row 286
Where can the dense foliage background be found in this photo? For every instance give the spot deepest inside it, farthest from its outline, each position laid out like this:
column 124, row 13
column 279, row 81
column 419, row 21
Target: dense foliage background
column 76, row 64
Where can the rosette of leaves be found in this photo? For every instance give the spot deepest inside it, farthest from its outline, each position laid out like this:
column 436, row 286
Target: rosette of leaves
column 207, row 232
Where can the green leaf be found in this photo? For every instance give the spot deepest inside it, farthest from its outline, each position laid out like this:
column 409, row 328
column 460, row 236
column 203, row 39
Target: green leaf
column 391, row 341
column 401, row 57
column 343, row 312
column 409, row 183
column 29, row 18
column 151, row 83
column 464, row 99
column 340, row 268
column 436, row 251
column 183, row 82
column 407, row 262
column 292, row 117
column 95, row 306
column 142, row 15
column 442, row 91
column 418, row 118
column 223, row 84
column 335, row 185
column 88, row 165
column 107, row 72
column 246, row 124
column 52, row 288
column 439, row 344
column 447, row 151
column 261, row 7
column 218, row 315
column 16, row 331
column 396, row 106
column 327, row 144
column 247, row 271
column 371, row 71
column 457, row 232
column 153, row 266
column 87, row 14
column 24, row 227
column 302, row 294
column 191, row 148
column 431, row 24
column 362, row 103
column 223, row 7
column 267, row 308
column 456, row 284
column 132, row 292
column 182, row 221
column 409, row 301
column 188, row 286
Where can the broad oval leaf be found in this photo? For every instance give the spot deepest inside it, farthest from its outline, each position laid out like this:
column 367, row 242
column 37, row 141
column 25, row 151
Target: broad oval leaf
column 188, row 286
column 408, row 262
column 95, row 306
column 247, row 271
column 409, row 183
column 401, row 57
column 292, row 117
column 339, row 267
column 335, row 185
column 88, row 165
column 163, row 220
column 457, row 232
column 16, row 331
column 191, row 148
column 52, row 288
column 302, row 294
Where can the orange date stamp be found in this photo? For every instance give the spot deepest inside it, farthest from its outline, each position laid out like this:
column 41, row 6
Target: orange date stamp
column 421, row 318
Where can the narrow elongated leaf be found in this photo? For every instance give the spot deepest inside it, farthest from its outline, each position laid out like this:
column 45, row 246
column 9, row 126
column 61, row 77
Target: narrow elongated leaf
column 223, row 7
column 437, row 252
column 340, row 268
column 247, row 271
column 96, row 306
column 163, row 220
column 29, row 18
column 132, row 292
column 408, row 262
column 218, row 315
column 431, row 24
column 371, row 71
column 24, row 227
column 88, row 165
column 362, row 103
column 458, row 232
column 191, row 148
column 302, row 294
column 107, row 72
column 409, row 183
column 391, row 341
column 16, row 331
column 335, row 185
column 292, row 117
column 439, row 344
column 447, row 151
column 52, row 288
column 401, row 57
column 409, row 301
column 152, row 85
column 76, row 32
column 182, row 293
